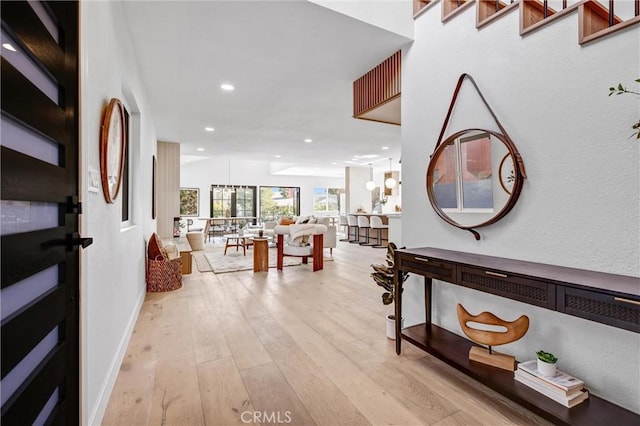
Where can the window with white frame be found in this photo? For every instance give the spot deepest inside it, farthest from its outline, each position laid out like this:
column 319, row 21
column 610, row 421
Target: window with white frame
column 326, row 200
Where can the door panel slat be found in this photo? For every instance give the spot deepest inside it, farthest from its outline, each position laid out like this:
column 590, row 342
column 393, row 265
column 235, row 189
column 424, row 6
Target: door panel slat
column 23, row 101
column 25, row 405
column 24, row 330
column 27, row 27
column 25, row 254
column 19, row 183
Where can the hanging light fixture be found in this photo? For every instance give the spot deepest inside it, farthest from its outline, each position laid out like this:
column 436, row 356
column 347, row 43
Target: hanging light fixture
column 371, row 184
column 390, row 182
column 230, row 186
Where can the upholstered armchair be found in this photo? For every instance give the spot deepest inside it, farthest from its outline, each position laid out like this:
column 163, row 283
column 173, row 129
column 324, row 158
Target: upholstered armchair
column 301, row 240
column 164, row 266
column 330, row 239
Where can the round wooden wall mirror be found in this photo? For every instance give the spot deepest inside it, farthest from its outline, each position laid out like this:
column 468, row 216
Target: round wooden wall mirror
column 474, row 178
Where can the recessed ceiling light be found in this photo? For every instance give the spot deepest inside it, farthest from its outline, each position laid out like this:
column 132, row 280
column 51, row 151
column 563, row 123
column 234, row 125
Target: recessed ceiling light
column 200, row 149
column 384, row 148
column 209, row 129
column 8, row 46
column 334, row 163
column 277, row 155
column 308, row 140
column 227, row 87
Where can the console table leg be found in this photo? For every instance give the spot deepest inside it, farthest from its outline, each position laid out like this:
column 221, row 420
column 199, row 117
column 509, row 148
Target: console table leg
column 427, row 302
column 397, row 296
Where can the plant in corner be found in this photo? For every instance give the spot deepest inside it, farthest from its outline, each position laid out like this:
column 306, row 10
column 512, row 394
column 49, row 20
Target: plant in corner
column 383, row 275
column 619, row 91
column 547, row 363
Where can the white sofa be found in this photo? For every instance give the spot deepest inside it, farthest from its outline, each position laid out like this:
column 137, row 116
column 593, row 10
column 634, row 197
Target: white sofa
column 329, row 238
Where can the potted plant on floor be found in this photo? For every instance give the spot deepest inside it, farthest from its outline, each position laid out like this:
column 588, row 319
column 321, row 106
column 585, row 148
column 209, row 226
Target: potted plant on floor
column 383, row 275
column 547, row 363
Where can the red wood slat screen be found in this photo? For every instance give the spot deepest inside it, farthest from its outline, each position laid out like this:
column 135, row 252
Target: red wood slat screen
column 377, row 86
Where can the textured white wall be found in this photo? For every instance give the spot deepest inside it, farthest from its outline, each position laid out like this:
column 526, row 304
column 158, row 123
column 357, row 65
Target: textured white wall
column 580, row 206
column 110, row 296
column 204, row 173
column 391, row 15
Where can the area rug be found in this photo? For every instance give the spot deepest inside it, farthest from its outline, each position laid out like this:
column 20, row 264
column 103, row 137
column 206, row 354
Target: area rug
column 235, row 261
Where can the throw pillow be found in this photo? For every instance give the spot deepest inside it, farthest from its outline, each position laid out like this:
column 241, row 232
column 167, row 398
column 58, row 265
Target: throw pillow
column 302, row 219
column 154, row 246
column 287, row 221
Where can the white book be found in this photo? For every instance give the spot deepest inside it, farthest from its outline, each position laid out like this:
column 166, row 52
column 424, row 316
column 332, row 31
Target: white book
column 544, row 387
column 561, row 380
column 546, row 384
column 575, row 399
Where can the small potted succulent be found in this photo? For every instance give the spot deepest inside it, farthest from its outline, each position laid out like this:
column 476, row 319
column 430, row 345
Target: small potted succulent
column 384, row 275
column 547, row 363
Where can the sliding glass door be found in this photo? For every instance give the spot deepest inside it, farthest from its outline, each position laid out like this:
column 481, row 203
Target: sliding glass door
column 233, row 201
column 278, row 201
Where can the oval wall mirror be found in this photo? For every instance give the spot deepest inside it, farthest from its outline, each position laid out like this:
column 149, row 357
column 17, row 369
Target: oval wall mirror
column 474, row 178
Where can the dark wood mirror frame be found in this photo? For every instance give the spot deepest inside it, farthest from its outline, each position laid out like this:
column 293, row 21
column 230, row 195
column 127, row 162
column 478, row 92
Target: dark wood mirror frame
column 518, row 163
column 515, row 190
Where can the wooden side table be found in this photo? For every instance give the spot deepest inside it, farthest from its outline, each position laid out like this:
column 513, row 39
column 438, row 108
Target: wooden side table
column 260, row 254
column 185, row 252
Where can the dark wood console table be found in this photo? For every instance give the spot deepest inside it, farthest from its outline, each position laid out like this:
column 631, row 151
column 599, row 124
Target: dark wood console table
column 605, row 298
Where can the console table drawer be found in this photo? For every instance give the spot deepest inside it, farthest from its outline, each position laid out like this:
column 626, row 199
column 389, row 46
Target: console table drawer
column 513, row 287
column 621, row 312
column 428, row 267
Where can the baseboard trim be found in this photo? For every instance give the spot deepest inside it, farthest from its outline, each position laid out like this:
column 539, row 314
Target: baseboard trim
column 98, row 410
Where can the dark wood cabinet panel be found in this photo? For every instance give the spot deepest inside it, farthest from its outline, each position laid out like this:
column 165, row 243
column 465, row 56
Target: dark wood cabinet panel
column 527, row 290
column 621, row 311
column 428, row 267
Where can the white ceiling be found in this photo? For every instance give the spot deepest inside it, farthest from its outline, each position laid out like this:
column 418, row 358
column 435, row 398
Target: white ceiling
column 292, row 63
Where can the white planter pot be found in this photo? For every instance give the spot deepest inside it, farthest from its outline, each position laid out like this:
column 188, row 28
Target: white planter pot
column 546, row 369
column 391, row 326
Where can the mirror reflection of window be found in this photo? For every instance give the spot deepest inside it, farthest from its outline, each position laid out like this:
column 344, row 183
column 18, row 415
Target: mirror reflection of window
column 445, row 187
column 476, row 176
column 463, row 178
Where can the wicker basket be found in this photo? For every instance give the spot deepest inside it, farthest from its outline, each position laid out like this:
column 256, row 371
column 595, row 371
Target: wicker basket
column 164, row 274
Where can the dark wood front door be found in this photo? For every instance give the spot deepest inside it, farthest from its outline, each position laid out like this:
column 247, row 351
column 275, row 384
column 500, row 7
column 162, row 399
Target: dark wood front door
column 39, row 232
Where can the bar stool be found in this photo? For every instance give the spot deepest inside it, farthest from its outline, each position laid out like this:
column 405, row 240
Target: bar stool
column 352, row 220
column 344, row 223
column 363, row 223
column 376, row 223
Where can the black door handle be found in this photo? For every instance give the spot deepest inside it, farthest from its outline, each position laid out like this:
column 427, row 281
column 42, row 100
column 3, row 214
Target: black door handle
column 74, row 240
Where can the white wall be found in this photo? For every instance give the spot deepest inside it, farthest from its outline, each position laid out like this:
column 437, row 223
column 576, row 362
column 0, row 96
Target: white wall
column 391, row 15
column 215, row 170
column 580, row 206
column 110, row 296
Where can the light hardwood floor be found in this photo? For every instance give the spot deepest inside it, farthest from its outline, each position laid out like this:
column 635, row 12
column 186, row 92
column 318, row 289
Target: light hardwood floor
column 293, row 347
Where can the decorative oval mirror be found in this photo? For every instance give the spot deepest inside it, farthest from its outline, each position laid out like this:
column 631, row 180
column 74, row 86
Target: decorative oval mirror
column 474, row 176
column 472, row 180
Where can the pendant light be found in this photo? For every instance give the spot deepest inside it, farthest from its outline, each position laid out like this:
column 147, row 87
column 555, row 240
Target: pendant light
column 229, row 170
column 390, row 182
column 371, row 184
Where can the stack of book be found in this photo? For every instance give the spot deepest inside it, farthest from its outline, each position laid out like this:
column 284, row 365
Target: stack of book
column 562, row 388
